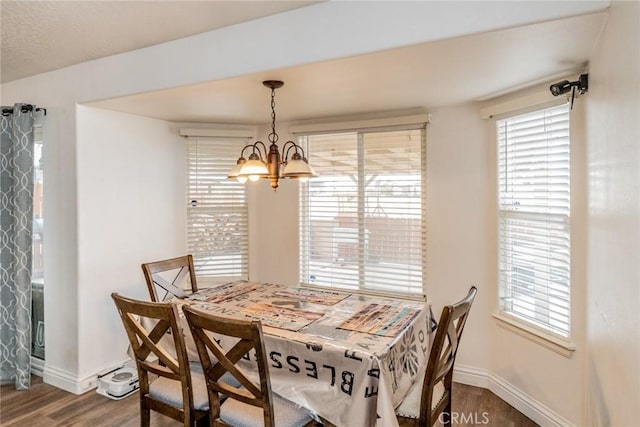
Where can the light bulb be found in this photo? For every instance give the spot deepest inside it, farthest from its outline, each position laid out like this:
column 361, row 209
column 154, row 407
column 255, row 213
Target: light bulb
column 254, row 178
column 303, row 179
column 242, row 179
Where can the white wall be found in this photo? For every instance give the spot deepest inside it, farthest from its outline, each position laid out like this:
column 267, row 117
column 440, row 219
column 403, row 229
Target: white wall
column 131, row 209
column 459, row 209
column 613, row 144
column 274, row 232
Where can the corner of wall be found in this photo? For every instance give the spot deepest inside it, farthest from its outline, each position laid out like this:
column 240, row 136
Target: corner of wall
column 529, row 406
column 77, row 384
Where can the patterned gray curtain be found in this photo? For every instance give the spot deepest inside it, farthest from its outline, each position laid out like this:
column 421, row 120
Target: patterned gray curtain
column 16, row 220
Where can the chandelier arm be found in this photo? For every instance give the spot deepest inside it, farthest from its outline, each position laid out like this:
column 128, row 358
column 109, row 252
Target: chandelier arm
column 244, row 148
column 301, row 149
column 287, row 147
column 262, row 154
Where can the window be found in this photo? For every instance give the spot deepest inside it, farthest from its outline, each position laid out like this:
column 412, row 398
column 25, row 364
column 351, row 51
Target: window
column 217, row 215
column 37, row 270
column 37, row 245
column 534, row 213
column 362, row 220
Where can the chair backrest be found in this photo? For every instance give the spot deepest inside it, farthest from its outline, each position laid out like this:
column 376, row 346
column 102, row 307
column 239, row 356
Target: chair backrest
column 156, row 273
column 442, row 358
column 249, row 335
column 151, row 356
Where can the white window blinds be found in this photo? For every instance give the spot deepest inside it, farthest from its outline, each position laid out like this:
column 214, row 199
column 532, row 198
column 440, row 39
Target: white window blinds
column 362, row 220
column 534, row 239
column 217, row 215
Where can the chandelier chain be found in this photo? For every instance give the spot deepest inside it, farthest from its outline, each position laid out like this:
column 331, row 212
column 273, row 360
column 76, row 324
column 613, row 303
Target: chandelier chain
column 273, row 136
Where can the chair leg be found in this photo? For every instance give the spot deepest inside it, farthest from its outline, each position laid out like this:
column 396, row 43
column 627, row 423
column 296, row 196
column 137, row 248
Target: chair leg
column 189, row 421
column 446, row 414
column 204, row 421
column 145, row 416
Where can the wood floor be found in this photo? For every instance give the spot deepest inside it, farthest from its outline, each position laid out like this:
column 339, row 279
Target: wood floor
column 46, row 406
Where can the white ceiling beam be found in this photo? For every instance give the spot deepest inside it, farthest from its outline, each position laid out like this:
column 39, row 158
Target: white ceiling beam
column 321, row 32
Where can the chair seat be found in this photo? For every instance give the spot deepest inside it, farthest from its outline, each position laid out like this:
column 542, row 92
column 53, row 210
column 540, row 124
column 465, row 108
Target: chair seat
column 410, row 406
column 170, row 391
column 285, row 413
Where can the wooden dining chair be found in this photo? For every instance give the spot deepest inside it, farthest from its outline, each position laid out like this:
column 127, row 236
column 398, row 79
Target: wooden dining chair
column 175, row 391
column 250, row 404
column 431, row 396
column 156, row 273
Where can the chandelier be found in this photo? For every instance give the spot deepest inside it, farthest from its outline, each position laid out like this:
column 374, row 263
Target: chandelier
column 271, row 164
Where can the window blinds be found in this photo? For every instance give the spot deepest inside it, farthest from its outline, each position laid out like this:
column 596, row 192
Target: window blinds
column 362, row 220
column 534, row 211
column 217, row 214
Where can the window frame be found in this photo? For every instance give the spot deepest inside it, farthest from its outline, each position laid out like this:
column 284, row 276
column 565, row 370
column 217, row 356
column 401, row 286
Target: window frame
column 533, row 331
column 232, row 143
column 303, row 139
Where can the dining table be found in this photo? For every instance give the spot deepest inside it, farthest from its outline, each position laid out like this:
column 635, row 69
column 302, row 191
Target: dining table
column 348, row 357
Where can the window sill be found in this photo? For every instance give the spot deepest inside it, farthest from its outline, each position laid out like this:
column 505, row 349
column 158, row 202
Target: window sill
column 368, row 292
column 559, row 345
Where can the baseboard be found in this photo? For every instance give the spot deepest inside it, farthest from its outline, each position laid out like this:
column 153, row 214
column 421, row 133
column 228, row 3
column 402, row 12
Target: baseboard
column 62, row 379
column 532, row 408
column 471, row 376
column 37, row 366
column 77, row 384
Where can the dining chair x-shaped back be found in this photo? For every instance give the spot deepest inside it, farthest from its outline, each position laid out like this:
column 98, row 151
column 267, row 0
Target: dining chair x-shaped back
column 249, row 403
column 429, row 400
column 159, row 350
column 156, row 274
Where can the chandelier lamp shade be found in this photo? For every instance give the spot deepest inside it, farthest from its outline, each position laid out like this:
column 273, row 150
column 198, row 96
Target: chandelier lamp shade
column 272, row 163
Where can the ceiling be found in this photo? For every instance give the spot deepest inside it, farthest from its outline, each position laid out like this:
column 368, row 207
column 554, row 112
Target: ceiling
column 414, row 78
column 40, row 36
